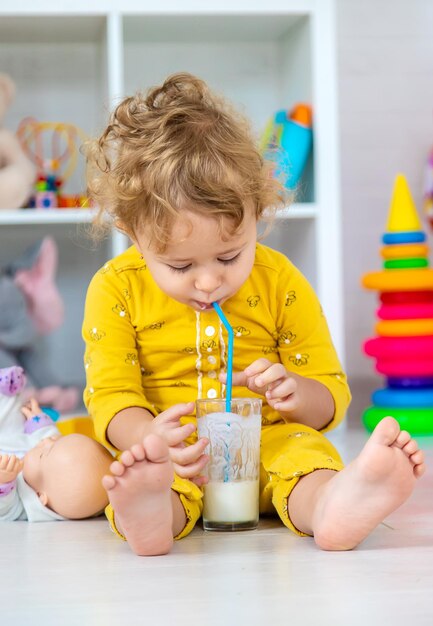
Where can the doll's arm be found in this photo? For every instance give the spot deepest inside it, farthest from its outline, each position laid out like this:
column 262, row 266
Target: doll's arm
column 35, row 417
column 10, row 467
column 31, row 409
column 11, row 507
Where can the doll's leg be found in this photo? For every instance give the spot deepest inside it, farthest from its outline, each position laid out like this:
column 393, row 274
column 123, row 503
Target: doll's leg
column 146, row 507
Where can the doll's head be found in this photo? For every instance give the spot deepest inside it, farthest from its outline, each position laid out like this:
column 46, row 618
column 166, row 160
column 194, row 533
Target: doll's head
column 66, row 474
column 180, row 146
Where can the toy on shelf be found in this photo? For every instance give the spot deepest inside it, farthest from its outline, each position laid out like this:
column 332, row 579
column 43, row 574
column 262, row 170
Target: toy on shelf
column 17, row 172
column 287, row 141
column 31, row 307
column 403, row 347
column 53, row 147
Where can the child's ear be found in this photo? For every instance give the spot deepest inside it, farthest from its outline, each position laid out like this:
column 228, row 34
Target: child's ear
column 43, row 497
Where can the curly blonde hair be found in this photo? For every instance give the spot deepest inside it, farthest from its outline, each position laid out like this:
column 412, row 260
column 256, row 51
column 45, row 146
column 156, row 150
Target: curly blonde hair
column 180, row 146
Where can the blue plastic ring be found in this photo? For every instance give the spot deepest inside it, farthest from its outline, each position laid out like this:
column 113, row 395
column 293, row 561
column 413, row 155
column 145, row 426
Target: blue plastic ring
column 408, row 236
column 403, row 398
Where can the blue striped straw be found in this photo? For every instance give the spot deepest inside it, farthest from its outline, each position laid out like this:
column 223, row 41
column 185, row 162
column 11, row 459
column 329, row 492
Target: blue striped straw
column 229, row 329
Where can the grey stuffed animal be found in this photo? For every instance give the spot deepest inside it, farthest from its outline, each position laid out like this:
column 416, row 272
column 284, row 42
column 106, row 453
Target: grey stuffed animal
column 30, row 307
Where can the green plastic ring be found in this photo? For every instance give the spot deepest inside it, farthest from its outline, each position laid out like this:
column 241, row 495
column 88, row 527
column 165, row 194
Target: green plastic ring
column 396, row 264
column 415, row 421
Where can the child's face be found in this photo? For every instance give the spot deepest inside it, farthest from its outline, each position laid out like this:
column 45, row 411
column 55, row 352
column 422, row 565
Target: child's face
column 201, row 265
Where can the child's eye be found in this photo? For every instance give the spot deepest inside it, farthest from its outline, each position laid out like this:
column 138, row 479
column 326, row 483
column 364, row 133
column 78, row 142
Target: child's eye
column 230, row 261
column 179, row 269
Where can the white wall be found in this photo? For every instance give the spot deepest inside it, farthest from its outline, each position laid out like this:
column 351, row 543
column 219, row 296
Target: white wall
column 385, row 56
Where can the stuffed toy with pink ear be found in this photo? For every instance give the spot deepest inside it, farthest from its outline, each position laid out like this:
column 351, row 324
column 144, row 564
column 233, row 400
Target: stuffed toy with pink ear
column 37, row 283
column 31, row 306
column 17, row 172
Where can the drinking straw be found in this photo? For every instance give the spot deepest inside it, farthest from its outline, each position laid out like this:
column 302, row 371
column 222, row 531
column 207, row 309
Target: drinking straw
column 229, row 329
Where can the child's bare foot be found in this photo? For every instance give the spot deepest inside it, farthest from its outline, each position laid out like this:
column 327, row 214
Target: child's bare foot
column 139, row 491
column 354, row 501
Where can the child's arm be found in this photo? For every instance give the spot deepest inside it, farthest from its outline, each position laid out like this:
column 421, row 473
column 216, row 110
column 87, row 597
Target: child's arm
column 131, row 425
column 296, row 398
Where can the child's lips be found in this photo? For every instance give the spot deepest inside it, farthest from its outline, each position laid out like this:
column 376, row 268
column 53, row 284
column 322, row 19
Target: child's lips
column 204, row 306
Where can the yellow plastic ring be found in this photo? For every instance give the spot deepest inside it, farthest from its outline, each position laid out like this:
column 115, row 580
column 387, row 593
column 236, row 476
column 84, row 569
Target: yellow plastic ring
column 404, row 328
column 399, row 280
column 402, row 251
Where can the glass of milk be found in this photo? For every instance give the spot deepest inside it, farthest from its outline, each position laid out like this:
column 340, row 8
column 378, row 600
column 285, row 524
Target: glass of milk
column 231, row 497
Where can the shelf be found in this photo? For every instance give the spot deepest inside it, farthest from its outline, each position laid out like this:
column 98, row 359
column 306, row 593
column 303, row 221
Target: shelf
column 84, row 216
column 53, row 216
column 307, row 210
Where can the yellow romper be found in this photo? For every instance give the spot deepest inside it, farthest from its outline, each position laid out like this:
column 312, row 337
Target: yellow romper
column 145, row 349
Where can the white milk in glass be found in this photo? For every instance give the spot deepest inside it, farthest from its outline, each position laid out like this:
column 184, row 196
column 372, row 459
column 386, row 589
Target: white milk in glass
column 232, row 501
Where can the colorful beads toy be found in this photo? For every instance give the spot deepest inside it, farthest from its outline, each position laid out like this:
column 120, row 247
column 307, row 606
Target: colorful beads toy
column 403, row 347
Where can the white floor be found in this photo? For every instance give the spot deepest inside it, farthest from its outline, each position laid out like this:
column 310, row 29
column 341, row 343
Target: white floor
column 67, row 573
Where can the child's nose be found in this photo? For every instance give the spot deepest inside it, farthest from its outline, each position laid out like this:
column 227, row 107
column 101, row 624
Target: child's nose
column 207, row 283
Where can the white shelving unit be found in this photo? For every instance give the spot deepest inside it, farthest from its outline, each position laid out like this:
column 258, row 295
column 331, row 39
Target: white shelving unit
column 73, row 61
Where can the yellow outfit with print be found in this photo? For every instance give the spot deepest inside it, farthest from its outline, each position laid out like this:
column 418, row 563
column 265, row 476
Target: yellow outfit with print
column 147, row 350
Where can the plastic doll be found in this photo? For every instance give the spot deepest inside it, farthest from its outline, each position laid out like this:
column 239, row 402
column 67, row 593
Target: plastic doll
column 44, row 475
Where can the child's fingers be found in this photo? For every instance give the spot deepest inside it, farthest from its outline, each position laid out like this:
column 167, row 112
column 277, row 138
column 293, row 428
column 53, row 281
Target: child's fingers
column 282, row 389
column 257, row 367
column 175, row 412
column 175, row 436
column 188, row 454
column 239, row 379
column 246, row 377
column 193, row 469
column 272, row 374
column 199, row 480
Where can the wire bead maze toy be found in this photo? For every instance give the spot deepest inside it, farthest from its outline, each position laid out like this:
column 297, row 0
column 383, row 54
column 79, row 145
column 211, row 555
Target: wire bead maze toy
column 53, row 147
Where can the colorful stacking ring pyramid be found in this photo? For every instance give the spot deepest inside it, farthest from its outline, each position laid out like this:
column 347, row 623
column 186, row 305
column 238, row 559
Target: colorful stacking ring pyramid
column 403, row 347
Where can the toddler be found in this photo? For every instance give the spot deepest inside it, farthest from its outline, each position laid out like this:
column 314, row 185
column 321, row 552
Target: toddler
column 179, row 172
column 44, row 476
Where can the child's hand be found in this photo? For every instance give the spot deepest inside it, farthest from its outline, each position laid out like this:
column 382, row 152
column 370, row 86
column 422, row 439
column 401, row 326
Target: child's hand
column 271, row 380
column 188, row 461
column 10, row 467
column 31, row 409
